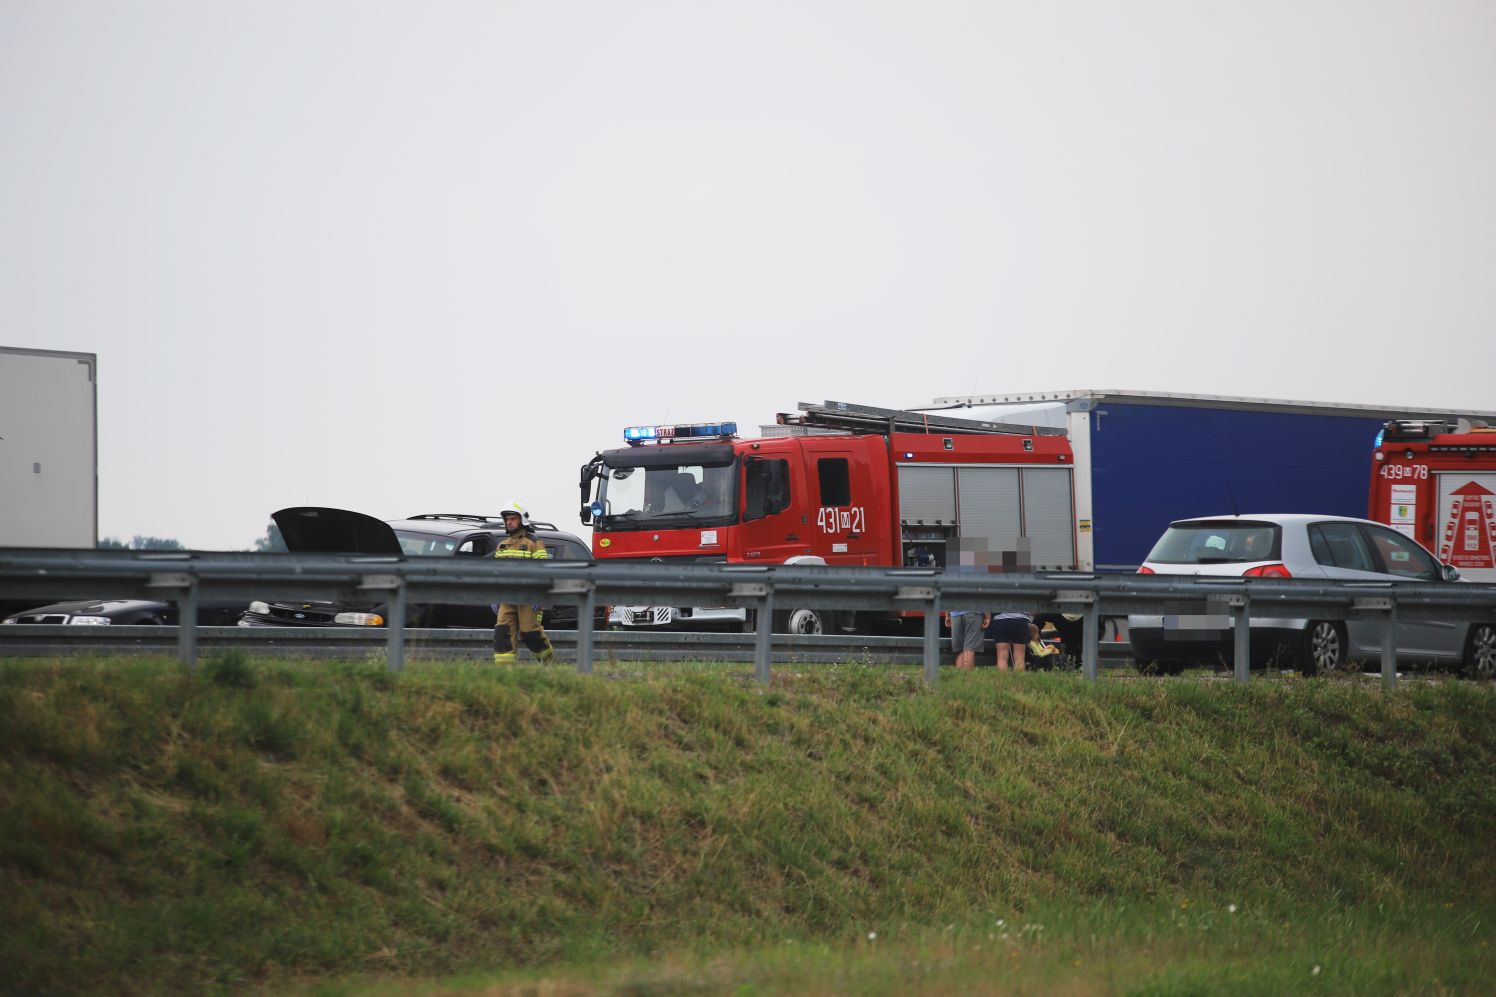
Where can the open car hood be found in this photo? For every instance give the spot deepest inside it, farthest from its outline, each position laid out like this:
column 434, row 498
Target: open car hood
column 317, row 530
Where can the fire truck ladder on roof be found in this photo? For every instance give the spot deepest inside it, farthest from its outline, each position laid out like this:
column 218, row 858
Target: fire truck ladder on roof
column 868, row 419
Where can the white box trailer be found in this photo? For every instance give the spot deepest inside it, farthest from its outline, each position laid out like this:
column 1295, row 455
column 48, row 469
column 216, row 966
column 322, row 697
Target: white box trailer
column 49, row 454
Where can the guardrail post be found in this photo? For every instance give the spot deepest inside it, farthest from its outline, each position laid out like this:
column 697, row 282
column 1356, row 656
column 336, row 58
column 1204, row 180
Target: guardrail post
column 182, row 587
column 585, row 613
column 586, row 607
column 1241, row 650
column 763, row 638
column 187, row 626
column 1387, row 607
column 758, row 597
column 1091, row 662
column 932, row 639
column 395, row 649
column 929, row 598
column 1090, row 639
column 394, row 623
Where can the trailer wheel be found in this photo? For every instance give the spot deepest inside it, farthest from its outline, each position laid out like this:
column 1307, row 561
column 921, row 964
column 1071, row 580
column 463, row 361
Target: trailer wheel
column 1480, row 652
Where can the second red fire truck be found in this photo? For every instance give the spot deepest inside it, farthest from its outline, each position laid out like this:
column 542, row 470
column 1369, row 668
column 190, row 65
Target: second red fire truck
column 1436, row 482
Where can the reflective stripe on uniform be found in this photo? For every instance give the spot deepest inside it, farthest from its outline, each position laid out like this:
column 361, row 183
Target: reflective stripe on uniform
column 522, row 545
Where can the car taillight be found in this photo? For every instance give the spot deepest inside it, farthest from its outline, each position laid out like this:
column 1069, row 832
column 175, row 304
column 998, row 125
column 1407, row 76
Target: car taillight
column 1268, row 571
column 1145, row 570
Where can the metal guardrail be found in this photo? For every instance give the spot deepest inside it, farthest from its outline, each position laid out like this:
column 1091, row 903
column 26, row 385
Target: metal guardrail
column 609, row 646
column 187, row 577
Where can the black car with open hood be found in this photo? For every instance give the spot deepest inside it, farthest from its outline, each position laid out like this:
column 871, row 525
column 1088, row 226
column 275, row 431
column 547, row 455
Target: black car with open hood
column 321, row 530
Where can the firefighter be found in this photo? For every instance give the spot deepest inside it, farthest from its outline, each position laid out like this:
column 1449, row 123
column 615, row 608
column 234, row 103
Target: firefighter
column 518, row 622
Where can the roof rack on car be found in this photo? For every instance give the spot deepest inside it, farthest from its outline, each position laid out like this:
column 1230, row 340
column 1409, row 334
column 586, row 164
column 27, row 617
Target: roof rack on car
column 452, row 515
column 486, row 520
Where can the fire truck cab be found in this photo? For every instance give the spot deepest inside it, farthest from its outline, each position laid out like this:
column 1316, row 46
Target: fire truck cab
column 1436, row 482
column 851, row 485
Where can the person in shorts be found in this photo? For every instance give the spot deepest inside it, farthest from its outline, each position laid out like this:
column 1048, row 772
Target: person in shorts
column 968, row 628
column 1011, row 633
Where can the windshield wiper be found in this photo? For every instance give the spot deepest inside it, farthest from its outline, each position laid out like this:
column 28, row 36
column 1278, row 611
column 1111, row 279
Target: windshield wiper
column 631, row 516
column 669, row 519
column 651, row 519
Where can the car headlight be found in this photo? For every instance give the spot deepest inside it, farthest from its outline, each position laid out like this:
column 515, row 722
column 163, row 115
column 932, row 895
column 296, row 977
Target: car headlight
column 89, row 621
column 8, row 619
column 359, row 619
column 262, row 608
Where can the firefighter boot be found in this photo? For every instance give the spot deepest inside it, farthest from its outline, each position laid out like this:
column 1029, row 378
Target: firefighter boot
column 539, row 645
column 503, row 645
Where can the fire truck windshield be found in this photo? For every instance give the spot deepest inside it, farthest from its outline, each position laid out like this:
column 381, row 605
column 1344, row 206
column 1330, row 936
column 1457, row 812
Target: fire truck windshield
column 666, row 496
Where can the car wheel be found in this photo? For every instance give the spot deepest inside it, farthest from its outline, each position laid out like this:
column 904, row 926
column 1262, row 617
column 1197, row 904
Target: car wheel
column 1480, row 652
column 1323, row 649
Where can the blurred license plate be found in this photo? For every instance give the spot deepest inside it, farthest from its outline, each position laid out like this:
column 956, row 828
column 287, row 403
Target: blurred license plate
column 1197, row 622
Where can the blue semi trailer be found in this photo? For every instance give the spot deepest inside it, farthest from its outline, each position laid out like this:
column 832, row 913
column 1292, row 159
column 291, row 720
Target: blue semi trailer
column 1143, row 459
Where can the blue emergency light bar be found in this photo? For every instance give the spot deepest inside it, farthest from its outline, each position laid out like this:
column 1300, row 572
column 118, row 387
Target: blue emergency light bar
column 635, row 435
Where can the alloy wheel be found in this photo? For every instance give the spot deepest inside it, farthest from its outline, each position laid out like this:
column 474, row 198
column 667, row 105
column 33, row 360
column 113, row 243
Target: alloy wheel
column 1480, row 654
column 1326, row 649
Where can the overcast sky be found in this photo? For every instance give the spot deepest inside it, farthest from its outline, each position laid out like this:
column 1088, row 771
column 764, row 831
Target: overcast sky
column 421, row 257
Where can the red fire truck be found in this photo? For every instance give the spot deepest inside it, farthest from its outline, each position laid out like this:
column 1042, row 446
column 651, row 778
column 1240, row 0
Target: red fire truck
column 847, row 485
column 1436, row 482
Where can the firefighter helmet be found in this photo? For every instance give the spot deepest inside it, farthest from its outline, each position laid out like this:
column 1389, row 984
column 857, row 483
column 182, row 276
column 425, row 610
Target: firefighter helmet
column 519, row 510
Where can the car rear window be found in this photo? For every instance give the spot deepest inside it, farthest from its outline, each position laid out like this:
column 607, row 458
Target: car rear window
column 1227, row 542
column 414, row 544
column 565, row 550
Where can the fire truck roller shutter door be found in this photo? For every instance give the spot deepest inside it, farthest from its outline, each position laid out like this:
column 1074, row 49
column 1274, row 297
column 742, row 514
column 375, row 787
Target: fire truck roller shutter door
column 991, row 515
column 927, row 495
column 1049, row 516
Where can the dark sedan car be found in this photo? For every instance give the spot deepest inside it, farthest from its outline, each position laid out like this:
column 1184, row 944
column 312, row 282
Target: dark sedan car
column 317, row 530
column 124, row 612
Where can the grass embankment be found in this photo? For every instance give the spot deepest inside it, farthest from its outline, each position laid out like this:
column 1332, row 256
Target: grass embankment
column 270, row 823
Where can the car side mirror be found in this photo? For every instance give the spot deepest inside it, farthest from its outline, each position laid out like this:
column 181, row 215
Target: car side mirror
column 1450, row 572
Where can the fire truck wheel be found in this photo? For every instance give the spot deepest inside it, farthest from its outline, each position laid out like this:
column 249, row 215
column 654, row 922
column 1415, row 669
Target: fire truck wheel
column 1323, row 650
column 1480, row 652
column 804, row 622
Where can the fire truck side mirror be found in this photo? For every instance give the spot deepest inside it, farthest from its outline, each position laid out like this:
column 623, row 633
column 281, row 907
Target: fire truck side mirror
column 589, row 472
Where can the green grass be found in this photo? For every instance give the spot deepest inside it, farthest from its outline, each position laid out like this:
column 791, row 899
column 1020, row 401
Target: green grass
column 678, row 829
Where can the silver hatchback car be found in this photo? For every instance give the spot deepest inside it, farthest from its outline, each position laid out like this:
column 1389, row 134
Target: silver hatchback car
column 1301, row 546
